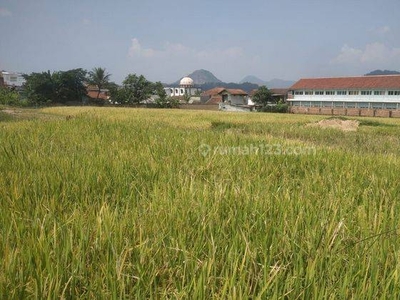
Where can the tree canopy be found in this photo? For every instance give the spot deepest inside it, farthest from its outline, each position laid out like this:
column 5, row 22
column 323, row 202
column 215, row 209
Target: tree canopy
column 263, row 96
column 100, row 78
column 56, row 87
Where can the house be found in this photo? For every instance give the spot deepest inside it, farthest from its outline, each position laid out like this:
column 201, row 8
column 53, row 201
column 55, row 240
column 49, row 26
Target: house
column 93, row 91
column 12, row 79
column 212, row 96
column 227, row 99
column 360, row 96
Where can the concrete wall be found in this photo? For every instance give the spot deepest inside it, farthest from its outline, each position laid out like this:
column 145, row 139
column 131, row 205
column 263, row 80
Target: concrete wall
column 227, row 107
column 237, row 99
column 363, row 112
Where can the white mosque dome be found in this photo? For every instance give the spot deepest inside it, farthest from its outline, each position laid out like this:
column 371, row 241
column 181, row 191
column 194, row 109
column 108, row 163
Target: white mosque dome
column 186, row 81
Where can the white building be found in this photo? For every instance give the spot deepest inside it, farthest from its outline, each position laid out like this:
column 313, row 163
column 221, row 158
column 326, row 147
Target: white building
column 11, row 79
column 186, row 87
column 363, row 92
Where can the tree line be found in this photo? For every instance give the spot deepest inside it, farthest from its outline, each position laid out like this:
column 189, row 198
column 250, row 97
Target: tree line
column 61, row 87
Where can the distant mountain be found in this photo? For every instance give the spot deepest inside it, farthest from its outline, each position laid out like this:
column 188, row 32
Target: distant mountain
column 274, row 83
column 201, row 77
column 253, row 79
column 246, row 86
column 206, row 80
column 279, row 83
column 380, row 72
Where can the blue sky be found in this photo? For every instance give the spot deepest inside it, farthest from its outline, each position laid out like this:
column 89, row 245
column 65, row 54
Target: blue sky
column 166, row 40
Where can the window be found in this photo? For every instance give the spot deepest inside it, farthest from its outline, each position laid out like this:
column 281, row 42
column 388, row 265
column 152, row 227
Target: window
column 390, row 105
column 338, row 104
column 353, row 93
column 308, row 93
column 319, row 92
column 350, row 104
column 326, row 104
column 330, row 93
column 394, row 93
column 376, row 105
column 379, row 93
column 366, row 93
column 13, row 78
column 342, row 93
column 363, row 105
column 298, row 92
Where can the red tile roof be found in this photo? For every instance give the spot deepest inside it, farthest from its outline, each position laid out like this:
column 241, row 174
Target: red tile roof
column 214, row 100
column 236, row 92
column 219, row 90
column 93, row 94
column 212, row 92
column 279, row 91
column 361, row 82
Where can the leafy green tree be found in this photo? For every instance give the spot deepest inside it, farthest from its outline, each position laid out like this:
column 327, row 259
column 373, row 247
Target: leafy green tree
column 40, row 88
column 263, row 96
column 100, row 78
column 70, row 85
column 135, row 89
column 113, row 89
column 9, row 96
column 56, row 87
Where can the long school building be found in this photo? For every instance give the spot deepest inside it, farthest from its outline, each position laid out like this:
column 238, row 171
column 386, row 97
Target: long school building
column 363, row 96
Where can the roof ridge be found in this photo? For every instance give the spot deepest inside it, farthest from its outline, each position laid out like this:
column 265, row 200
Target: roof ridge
column 355, row 76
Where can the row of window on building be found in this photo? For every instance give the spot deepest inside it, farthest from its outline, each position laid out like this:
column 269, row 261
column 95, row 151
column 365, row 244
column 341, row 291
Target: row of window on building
column 342, row 104
column 351, row 93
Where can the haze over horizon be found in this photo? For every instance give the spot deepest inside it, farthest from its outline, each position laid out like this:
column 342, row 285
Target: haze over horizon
column 165, row 40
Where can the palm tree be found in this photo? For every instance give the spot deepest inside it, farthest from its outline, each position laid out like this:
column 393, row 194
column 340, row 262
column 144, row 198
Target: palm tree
column 99, row 77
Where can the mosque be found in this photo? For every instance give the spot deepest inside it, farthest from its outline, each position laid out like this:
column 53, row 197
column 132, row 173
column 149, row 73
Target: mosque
column 186, row 87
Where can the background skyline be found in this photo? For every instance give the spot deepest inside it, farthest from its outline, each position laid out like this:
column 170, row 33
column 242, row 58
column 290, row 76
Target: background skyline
column 166, row 40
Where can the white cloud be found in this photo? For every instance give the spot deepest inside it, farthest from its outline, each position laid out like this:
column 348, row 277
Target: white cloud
column 348, row 54
column 174, row 60
column 372, row 53
column 4, row 12
column 136, row 50
column 382, row 30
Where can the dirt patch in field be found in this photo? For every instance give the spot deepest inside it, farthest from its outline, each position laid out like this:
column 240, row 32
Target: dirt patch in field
column 11, row 111
column 344, row 125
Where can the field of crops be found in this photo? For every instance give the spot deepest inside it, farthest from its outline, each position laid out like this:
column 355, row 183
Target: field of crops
column 119, row 203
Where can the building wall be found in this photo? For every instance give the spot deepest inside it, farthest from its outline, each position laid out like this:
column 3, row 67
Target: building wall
column 234, row 99
column 13, row 79
column 353, row 112
column 227, row 107
column 387, row 99
column 180, row 91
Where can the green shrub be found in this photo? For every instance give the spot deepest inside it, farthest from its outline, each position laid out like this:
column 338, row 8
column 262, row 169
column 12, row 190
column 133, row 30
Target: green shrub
column 9, row 97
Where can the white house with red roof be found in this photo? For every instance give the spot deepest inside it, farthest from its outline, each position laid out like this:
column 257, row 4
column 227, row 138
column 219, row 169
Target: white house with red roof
column 362, row 92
